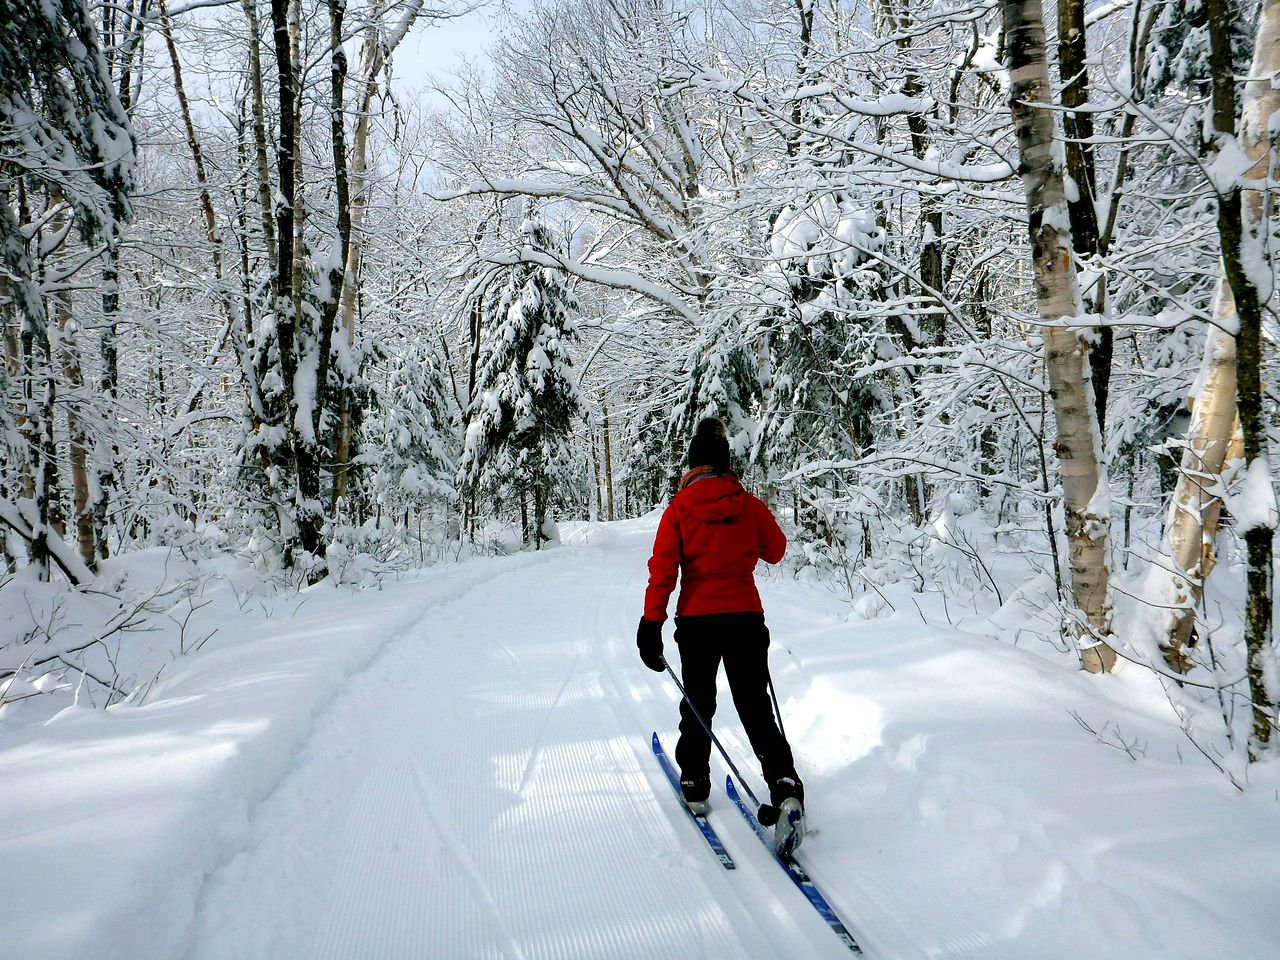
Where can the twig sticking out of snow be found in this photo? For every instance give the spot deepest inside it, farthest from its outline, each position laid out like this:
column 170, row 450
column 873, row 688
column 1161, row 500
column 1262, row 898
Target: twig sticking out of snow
column 1111, row 736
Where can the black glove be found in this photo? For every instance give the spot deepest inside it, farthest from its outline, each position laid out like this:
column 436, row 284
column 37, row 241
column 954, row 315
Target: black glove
column 649, row 643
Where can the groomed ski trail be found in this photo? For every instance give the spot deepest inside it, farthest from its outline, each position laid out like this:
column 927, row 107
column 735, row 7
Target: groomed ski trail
column 485, row 789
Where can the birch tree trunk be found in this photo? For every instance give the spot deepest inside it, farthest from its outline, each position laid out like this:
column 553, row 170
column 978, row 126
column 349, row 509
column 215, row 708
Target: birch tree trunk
column 608, row 464
column 48, row 522
column 595, row 486
column 1085, row 501
column 1195, row 507
column 370, row 62
column 337, row 266
column 9, row 373
column 25, row 486
column 77, row 438
column 67, row 356
column 1226, row 411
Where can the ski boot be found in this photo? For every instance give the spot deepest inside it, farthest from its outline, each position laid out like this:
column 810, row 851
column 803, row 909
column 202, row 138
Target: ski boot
column 695, row 792
column 788, row 831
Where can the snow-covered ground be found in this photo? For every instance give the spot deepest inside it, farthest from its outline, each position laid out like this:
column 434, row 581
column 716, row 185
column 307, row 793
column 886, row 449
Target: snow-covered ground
column 457, row 765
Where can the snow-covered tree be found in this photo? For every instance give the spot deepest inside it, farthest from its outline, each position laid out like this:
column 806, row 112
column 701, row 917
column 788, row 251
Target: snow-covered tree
column 412, row 440
column 1086, row 502
column 520, row 424
column 66, row 170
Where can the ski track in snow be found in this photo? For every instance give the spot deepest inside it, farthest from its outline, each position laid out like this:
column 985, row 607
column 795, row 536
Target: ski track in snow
column 479, row 792
column 485, row 789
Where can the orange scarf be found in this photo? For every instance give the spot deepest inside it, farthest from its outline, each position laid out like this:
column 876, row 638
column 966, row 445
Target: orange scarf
column 694, row 474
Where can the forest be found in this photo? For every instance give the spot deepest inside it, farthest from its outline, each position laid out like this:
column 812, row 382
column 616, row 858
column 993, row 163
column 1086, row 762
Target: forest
column 984, row 291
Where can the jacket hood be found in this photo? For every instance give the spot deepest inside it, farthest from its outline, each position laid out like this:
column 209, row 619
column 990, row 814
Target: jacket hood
column 714, row 498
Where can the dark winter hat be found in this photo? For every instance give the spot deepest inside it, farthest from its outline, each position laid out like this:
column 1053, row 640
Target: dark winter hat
column 709, row 446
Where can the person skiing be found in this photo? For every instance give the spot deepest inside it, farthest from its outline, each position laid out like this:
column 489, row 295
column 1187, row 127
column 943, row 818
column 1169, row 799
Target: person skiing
column 712, row 533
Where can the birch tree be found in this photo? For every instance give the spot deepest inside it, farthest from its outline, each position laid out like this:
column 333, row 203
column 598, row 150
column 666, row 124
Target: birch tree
column 1086, row 504
column 1230, row 392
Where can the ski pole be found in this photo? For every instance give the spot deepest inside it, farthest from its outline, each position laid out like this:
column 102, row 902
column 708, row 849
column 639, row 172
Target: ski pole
column 714, row 739
column 773, row 695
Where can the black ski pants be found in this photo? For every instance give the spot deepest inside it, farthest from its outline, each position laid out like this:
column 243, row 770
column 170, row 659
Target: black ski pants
column 741, row 640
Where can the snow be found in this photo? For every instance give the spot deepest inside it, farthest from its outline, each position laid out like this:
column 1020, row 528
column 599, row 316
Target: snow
column 457, row 765
column 112, row 818
column 1254, row 506
column 1228, row 165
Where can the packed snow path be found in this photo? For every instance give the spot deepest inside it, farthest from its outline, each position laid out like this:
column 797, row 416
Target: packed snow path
column 456, row 766
column 486, row 789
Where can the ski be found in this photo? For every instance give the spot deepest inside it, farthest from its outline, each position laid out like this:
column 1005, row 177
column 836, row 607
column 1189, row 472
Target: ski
column 796, row 872
column 708, row 832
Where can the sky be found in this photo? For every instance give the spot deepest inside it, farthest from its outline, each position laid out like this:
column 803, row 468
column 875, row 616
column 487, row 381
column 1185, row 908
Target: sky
column 437, row 48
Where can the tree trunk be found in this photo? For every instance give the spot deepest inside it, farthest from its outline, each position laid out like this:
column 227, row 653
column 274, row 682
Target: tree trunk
column 1226, row 413
column 48, row 520
column 108, row 467
column 376, row 49
column 260, row 130
column 1245, row 233
column 608, row 466
column 1082, row 207
column 10, row 376
column 337, row 267
column 598, row 513
column 16, row 375
column 370, row 63
column 77, row 439
column 539, row 515
column 296, row 519
column 1195, row 506
column 1078, row 445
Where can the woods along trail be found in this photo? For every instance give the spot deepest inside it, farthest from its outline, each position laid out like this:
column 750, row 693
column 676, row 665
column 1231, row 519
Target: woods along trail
column 485, row 789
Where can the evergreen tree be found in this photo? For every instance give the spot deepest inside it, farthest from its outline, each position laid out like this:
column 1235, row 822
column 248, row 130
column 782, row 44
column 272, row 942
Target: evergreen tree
column 722, row 382
column 650, row 465
column 826, row 322
column 413, row 435
column 520, row 423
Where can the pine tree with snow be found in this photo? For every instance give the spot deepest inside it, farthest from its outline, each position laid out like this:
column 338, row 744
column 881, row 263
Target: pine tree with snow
column 520, row 422
column 723, row 382
column 412, row 433
column 650, row 466
column 826, row 321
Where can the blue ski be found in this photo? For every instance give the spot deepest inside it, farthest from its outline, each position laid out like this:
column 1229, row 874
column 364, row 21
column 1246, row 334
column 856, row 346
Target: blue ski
column 797, row 873
column 708, row 831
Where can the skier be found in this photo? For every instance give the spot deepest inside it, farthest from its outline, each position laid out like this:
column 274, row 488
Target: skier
column 712, row 533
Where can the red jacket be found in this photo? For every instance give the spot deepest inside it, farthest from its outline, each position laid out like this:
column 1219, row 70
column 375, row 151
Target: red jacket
column 712, row 533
